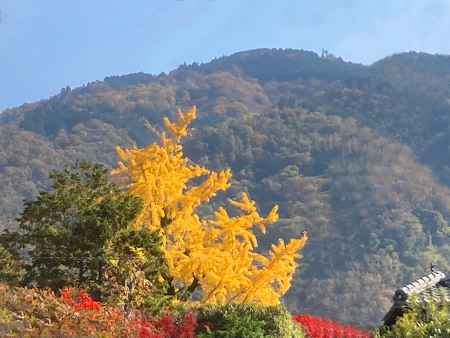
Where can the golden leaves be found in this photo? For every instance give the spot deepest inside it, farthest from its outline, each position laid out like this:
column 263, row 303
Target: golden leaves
column 217, row 252
column 179, row 129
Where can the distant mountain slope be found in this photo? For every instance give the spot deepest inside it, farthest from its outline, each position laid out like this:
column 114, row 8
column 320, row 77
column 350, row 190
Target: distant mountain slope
column 417, row 72
column 357, row 155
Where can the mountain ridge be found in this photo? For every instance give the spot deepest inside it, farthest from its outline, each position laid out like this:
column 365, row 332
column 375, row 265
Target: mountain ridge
column 356, row 154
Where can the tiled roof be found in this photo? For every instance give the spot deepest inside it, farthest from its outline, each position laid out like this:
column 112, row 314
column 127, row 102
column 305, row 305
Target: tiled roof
column 432, row 287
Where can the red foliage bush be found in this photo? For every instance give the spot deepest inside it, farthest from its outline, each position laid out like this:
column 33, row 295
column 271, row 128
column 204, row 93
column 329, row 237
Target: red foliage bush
column 166, row 326
column 82, row 300
column 316, row 327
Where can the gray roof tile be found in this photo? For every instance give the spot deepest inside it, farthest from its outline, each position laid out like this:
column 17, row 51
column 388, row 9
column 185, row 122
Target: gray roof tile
column 432, row 287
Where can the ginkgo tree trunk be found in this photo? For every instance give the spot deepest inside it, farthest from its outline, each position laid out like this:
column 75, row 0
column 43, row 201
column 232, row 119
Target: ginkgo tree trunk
column 217, row 253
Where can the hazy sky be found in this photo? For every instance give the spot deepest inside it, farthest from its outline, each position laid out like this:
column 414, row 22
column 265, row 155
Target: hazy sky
column 48, row 44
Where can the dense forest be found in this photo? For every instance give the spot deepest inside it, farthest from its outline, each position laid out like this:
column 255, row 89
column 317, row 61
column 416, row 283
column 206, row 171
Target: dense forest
column 357, row 155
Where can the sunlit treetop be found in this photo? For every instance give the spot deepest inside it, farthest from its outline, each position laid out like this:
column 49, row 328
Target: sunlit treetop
column 215, row 253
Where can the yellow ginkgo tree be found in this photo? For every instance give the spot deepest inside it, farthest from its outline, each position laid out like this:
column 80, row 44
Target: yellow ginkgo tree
column 214, row 254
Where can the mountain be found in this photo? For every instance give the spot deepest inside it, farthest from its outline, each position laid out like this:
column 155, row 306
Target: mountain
column 357, row 155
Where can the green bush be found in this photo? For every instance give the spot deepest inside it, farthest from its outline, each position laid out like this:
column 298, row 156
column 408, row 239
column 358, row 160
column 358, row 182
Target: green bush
column 78, row 235
column 62, row 234
column 421, row 321
column 246, row 321
column 136, row 272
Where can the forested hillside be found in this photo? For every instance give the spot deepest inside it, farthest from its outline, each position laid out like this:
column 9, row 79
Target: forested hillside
column 357, row 155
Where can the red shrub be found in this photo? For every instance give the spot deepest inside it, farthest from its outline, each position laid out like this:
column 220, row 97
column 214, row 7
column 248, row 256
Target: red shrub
column 82, row 299
column 147, row 330
column 166, row 326
column 316, row 327
column 187, row 327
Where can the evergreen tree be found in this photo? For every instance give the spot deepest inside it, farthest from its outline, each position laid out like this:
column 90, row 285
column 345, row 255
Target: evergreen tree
column 65, row 236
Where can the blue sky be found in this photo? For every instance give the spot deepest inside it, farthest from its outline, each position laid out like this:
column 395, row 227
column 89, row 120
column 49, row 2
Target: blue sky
column 49, row 44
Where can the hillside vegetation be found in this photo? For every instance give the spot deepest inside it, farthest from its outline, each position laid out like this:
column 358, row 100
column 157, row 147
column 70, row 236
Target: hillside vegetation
column 356, row 155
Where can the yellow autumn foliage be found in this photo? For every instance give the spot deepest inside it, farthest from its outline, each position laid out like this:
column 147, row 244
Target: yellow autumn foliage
column 218, row 252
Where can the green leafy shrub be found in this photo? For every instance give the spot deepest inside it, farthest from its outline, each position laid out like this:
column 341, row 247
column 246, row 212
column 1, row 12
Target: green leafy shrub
column 137, row 275
column 78, row 235
column 246, row 321
column 63, row 233
column 421, row 321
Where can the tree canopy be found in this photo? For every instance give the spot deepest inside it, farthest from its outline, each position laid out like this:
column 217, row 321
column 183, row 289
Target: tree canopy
column 217, row 252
